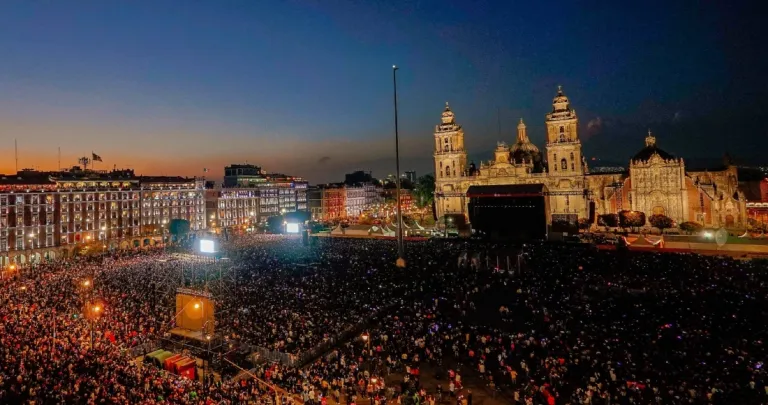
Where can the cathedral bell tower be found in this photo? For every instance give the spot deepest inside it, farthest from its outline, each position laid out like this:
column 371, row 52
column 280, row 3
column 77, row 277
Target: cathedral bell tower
column 563, row 144
column 450, row 164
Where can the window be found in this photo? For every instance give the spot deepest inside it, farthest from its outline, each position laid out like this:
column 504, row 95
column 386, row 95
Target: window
column 448, row 171
column 564, row 164
column 562, row 130
column 562, row 137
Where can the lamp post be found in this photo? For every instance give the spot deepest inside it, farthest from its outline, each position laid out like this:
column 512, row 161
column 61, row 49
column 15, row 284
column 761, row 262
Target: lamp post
column 95, row 310
column 163, row 235
column 31, row 247
column 400, row 254
column 367, row 342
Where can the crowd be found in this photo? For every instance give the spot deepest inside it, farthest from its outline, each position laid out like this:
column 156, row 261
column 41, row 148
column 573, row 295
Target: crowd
column 555, row 324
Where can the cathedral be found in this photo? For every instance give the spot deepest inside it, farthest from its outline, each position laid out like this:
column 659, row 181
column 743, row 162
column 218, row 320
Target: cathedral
column 655, row 183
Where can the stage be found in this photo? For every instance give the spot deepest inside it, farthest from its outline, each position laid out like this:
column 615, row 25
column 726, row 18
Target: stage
column 188, row 334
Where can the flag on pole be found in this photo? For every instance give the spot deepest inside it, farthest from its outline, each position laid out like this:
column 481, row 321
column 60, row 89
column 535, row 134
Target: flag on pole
column 95, row 157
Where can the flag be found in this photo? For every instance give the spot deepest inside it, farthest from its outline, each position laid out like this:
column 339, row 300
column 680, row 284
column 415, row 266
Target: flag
column 95, row 157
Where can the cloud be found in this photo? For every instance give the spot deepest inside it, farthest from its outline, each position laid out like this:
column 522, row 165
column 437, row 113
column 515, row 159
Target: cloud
column 323, row 160
column 594, row 127
column 595, row 124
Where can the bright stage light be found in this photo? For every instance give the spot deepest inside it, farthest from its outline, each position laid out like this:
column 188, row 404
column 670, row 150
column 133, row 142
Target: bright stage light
column 292, row 228
column 207, row 246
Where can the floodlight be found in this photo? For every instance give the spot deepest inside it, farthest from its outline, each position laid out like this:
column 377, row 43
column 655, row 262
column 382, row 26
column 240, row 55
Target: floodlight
column 292, row 228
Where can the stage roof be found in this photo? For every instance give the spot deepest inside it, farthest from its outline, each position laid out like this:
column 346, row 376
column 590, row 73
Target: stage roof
column 511, row 190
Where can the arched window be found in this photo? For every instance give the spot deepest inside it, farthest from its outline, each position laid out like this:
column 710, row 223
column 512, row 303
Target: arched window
column 562, row 137
column 562, row 130
column 445, row 148
column 448, row 171
column 571, row 155
column 564, row 164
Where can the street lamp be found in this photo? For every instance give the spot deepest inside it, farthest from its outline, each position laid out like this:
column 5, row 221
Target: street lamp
column 96, row 309
column 400, row 255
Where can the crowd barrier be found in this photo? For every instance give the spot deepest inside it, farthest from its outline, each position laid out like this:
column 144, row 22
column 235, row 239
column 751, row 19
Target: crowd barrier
column 144, row 348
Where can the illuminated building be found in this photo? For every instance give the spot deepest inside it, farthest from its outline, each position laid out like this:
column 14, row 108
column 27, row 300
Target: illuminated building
column 278, row 193
column 48, row 214
column 328, row 202
column 656, row 182
column 232, row 207
column 354, row 200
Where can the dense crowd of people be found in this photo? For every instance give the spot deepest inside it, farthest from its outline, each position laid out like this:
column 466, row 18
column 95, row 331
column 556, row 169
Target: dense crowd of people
column 553, row 324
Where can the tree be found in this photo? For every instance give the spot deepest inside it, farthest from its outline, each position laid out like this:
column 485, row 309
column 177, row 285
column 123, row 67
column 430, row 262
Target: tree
column 178, row 227
column 661, row 222
column 275, row 224
column 608, row 220
column 424, row 191
column 691, row 227
column 631, row 219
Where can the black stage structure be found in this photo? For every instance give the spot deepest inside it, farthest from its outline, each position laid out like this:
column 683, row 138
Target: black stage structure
column 515, row 212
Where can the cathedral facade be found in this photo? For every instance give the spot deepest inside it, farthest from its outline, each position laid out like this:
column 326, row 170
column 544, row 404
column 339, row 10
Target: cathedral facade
column 655, row 183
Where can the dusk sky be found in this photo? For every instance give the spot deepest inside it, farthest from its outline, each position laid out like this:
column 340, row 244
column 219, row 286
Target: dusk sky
column 305, row 87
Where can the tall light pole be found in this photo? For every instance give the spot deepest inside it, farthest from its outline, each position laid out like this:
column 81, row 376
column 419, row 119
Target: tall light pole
column 400, row 254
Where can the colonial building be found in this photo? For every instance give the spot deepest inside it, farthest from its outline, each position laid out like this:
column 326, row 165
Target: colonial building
column 278, row 193
column 232, row 207
column 328, row 202
column 656, row 182
column 44, row 215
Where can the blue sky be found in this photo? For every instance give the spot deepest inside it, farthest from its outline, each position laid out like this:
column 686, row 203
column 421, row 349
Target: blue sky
column 170, row 87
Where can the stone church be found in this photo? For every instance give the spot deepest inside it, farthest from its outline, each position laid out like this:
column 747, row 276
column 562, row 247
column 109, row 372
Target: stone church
column 655, row 183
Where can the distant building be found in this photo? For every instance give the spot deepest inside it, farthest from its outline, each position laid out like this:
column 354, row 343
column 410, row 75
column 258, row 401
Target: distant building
column 410, row 175
column 278, row 193
column 243, row 175
column 328, row 202
column 232, row 207
column 358, row 177
column 47, row 215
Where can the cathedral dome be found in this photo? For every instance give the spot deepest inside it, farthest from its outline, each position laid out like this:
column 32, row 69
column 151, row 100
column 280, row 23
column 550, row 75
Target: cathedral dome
column 523, row 144
column 651, row 149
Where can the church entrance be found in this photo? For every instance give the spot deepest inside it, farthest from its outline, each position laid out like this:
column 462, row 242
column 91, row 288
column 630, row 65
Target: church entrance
column 658, row 210
column 729, row 221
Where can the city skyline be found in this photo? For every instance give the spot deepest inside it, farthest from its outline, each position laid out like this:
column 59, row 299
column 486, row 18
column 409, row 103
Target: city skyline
column 303, row 88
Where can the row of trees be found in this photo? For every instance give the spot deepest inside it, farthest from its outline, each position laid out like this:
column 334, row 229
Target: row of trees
column 635, row 219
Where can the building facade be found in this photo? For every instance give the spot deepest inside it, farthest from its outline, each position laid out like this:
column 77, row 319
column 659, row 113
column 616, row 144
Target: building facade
column 656, row 182
column 328, row 202
column 232, row 207
column 44, row 215
column 278, row 193
column 355, row 201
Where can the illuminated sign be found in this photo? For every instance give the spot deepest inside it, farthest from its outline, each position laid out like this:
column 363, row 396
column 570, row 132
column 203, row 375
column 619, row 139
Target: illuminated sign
column 292, row 228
